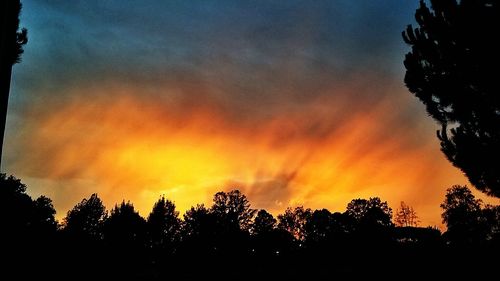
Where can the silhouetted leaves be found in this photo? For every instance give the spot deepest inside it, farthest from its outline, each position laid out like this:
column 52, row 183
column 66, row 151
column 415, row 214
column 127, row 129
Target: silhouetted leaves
column 294, row 221
column 125, row 227
column 227, row 239
column 28, row 231
column 43, row 219
column 14, row 38
column 20, row 215
column 319, row 226
column 233, row 209
column 452, row 69
column 264, row 223
column 198, row 221
column 164, row 225
column 462, row 215
column 491, row 217
column 86, row 219
column 406, row 216
column 372, row 212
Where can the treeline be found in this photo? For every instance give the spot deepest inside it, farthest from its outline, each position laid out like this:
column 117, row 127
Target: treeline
column 230, row 240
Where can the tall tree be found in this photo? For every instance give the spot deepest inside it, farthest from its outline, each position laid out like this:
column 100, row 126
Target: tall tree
column 370, row 212
column 124, row 226
column 163, row 223
column 86, row 219
column 463, row 216
column 43, row 217
column 406, row 216
column 28, row 231
column 452, row 69
column 198, row 221
column 11, row 47
column 263, row 223
column 20, row 215
column 319, row 226
column 233, row 208
column 294, row 221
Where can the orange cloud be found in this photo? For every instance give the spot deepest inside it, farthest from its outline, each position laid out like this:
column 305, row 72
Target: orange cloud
column 318, row 154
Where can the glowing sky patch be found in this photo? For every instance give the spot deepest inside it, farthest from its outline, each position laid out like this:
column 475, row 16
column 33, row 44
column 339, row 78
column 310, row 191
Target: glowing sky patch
column 294, row 103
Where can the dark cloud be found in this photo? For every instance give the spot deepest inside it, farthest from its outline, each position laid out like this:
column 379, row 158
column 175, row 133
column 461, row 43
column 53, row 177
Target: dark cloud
column 81, row 42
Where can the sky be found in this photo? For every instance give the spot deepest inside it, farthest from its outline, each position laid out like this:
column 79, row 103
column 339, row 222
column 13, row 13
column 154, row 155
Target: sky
column 292, row 102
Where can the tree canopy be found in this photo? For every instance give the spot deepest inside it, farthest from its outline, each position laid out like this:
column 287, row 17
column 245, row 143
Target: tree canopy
column 21, row 215
column 370, row 212
column 263, row 223
column 233, row 208
column 124, row 226
column 163, row 223
column 86, row 218
column 294, row 221
column 228, row 240
column 452, row 69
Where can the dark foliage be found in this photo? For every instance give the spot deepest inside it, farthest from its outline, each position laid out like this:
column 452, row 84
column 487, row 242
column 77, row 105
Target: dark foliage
column 294, row 221
column 468, row 223
column 227, row 241
column 11, row 48
column 86, row 219
column 233, row 210
column 28, row 230
column 125, row 227
column 452, row 69
column 370, row 213
column 164, row 225
column 263, row 223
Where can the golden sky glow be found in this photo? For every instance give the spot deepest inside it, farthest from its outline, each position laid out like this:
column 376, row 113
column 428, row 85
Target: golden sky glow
column 138, row 149
column 292, row 102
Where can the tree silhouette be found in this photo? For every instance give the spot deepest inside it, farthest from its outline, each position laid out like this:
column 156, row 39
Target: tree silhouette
column 16, row 205
column 201, row 231
column 491, row 217
column 233, row 209
column 28, row 227
column 268, row 241
column 224, row 241
column 294, row 221
column 370, row 212
column 124, row 235
column 405, row 216
column 462, row 216
column 11, row 47
column 198, row 221
column 22, row 216
column 43, row 217
column 124, row 226
column 28, row 231
column 452, row 69
column 86, row 219
column 263, row 223
column 163, row 224
column 319, row 226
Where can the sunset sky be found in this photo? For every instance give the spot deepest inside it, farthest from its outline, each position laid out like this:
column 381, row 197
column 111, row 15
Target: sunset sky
column 292, row 102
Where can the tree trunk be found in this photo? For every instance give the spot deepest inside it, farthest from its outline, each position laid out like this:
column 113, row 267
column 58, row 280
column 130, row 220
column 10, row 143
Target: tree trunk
column 5, row 77
column 5, row 69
